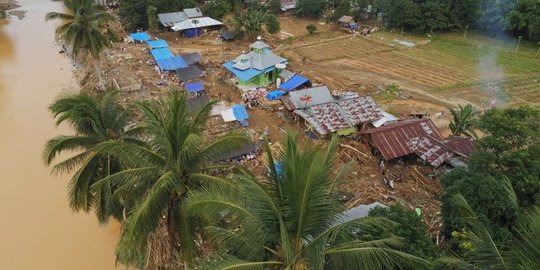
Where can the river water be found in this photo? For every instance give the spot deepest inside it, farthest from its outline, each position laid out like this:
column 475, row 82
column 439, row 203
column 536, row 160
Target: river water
column 38, row 230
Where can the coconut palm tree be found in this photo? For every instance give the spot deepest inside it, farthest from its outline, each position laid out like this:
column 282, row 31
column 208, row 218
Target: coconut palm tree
column 463, row 121
column 290, row 219
column 521, row 252
column 95, row 120
column 85, row 30
column 176, row 159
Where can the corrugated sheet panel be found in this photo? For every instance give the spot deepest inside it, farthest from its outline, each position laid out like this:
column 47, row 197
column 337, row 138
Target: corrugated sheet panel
column 361, row 110
column 430, row 150
column 462, row 146
column 391, row 140
column 330, row 116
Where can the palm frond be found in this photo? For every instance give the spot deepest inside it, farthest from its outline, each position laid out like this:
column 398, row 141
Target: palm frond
column 373, row 258
column 233, row 263
column 63, row 143
column 144, row 219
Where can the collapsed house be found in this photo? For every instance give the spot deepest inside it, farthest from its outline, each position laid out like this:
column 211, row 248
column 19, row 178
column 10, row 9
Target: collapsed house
column 257, row 67
column 287, row 5
column 347, row 22
column 419, row 137
column 327, row 115
column 189, row 21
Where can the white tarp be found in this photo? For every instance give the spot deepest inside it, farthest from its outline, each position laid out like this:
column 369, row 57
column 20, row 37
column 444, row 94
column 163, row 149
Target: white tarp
column 386, row 118
column 218, row 108
column 228, row 115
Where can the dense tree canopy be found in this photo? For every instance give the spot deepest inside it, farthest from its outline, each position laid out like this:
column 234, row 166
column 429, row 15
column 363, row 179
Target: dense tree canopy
column 509, row 151
column 134, row 13
column 217, row 9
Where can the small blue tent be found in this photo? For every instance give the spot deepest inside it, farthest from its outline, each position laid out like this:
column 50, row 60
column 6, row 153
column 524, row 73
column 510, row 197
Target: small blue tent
column 274, row 95
column 293, row 83
column 140, row 36
column 156, row 44
column 162, row 53
column 193, row 32
column 194, row 87
column 171, row 63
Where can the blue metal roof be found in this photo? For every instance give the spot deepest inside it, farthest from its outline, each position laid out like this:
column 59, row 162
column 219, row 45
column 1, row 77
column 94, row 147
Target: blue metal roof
column 194, row 87
column 161, row 53
column 240, row 112
column 245, row 75
column 140, row 36
column 293, row 82
column 156, row 44
column 171, row 63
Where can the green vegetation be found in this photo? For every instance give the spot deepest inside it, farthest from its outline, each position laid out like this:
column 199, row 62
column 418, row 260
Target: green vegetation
column 134, row 13
column 159, row 173
column 84, row 30
column 217, row 9
column 272, row 24
column 311, row 28
column 95, row 121
column 290, row 220
column 463, row 121
column 411, row 228
column 509, row 152
column 483, row 252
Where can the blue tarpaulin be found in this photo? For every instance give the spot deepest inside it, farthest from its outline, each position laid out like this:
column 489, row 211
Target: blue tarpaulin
column 274, row 95
column 293, row 83
column 140, row 36
column 194, row 32
column 279, row 168
column 194, row 87
column 162, row 53
column 171, row 63
column 240, row 112
column 353, row 26
column 156, row 44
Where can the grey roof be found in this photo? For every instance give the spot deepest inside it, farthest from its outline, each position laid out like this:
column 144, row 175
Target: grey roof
column 194, row 104
column 196, row 23
column 346, row 19
column 169, row 19
column 357, row 212
column 189, row 73
column 259, row 45
column 246, row 149
column 319, row 95
column 259, row 61
column 193, row 12
column 286, row 74
column 191, row 58
column 227, row 35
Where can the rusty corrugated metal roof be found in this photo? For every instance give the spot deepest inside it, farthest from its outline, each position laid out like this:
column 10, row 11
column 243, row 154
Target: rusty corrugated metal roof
column 430, row 150
column 461, row 145
column 392, row 140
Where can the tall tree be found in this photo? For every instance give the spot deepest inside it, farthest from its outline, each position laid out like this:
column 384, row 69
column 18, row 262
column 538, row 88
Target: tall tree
column 176, row 159
column 85, row 30
column 463, row 13
column 291, row 219
column 94, row 121
column 310, row 8
column 521, row 252
column 525, row 19
column 463, row 121
column 272, row 24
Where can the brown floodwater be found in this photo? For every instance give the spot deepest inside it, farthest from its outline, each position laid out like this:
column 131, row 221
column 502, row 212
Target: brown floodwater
column 38, row 230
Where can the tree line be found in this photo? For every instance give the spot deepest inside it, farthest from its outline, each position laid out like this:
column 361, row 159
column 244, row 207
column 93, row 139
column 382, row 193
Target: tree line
column 519, row 18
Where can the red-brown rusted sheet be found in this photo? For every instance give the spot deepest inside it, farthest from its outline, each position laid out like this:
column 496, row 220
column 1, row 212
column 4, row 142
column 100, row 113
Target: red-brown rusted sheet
column 391, row 140
column 430, row 150
column 460, row 145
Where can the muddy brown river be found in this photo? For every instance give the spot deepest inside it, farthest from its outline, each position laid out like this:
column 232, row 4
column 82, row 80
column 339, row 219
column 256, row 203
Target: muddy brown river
column 38, row 230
